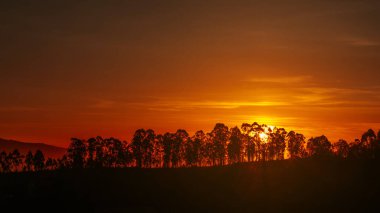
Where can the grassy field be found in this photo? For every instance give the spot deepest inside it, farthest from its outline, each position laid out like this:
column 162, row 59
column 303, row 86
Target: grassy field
column 280, row 186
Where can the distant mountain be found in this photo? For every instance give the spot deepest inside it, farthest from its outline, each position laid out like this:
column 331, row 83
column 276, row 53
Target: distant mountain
column 23, row 147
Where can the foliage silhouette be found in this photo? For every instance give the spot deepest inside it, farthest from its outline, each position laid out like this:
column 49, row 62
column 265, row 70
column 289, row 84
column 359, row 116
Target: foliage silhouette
column 221, row 146
column 38, row 160
column 319, row 146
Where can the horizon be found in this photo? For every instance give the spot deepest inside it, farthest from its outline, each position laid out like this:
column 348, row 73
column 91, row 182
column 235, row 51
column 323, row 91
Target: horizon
column 82, row 69
column 190, row 133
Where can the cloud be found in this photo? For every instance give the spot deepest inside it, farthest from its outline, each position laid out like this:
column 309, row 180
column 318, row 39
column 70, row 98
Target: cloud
column 263, row 98
column 103, row 104
column 280, row 80
column 18, row 109
column 361, row 42
column 340, row 97
column 189, row 105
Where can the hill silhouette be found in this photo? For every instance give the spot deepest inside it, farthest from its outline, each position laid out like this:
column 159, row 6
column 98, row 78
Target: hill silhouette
column 24, row 147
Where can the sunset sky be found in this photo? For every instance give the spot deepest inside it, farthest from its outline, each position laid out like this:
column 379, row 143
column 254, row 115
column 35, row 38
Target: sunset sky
column 87, row 68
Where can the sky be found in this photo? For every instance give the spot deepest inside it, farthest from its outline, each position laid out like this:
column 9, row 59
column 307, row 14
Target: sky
column 86, row 68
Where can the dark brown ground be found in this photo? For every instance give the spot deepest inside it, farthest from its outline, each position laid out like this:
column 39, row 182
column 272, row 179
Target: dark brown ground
column 282, row 186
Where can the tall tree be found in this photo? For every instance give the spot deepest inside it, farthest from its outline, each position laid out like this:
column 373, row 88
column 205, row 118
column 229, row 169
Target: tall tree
column 189, row 153
column 319, row 146
column 51, row 164
column 76, row 153
column 198, row 140
column 368, row 137
column 136, row 145
column 63, row 163
column 100, row 149
column 178, row 147
column 280, row 142
column 5, row 163
column 369, row 141
column 260, row 145
column 207, row 151
column 128, row 154
column 15, row 159
column 296, row 145
column 158, row 150
column 220, row 136
column 91, row 148
column 114, row 153
column 29, row 161
column 147, row 148
column 248, row 141
column 234, row 146
column 341, row 148
column 119, row 153
column 38, row 160
column 167, row 141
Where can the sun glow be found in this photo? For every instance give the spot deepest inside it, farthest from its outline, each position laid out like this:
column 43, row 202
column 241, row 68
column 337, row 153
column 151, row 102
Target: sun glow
column 263, row 137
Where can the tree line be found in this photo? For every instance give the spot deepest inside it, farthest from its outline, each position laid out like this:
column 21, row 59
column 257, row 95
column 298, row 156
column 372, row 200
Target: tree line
column 221, row 146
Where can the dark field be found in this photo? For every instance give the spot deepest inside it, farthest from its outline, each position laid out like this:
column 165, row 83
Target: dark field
column 279, row 186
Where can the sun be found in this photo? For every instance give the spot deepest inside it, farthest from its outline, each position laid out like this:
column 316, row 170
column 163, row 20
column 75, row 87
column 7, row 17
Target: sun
column 263, row 137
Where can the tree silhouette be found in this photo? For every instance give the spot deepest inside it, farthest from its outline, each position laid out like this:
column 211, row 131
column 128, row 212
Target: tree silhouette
column 158, row 149
column 220, row 136
column 341, row 148
column 119, row 152
column 195, row 149
column 128, row 154
column 319, row 146
column 377, row 145
column 178, row 150
column 368, row 137
column 296, row 143
column 99, row 152
column 91, row 148
column 257, row 130
column 234, row 146
column 357, row 150
column 15, row 160
column 167, row 141
column 279, row 137
column 115, row 153
column 147, row 148
column 29, row 161
column 5, row 162
column 207, row 151
column 189, row 153
column 272, row 145
column 369, row 140
column 38, row 160
column 76, row 153
column 137, row 148
column 63, row 163
column 51, row 164
column 221, row 146
column 248, row 141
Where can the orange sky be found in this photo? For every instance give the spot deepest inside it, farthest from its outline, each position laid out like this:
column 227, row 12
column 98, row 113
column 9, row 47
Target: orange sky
column 107, row 68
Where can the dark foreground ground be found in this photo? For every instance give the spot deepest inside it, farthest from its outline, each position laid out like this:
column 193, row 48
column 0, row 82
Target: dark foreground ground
column 287, row 186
